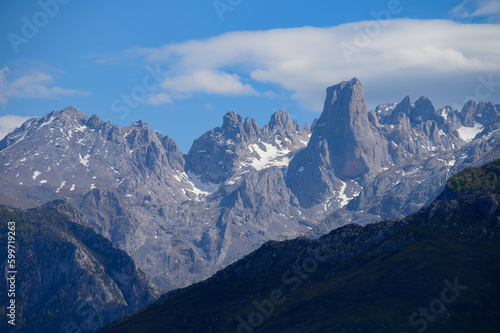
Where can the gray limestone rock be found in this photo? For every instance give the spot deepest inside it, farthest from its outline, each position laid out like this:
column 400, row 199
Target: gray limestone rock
column 422, row 112
column 222, row 152
column 342, row 146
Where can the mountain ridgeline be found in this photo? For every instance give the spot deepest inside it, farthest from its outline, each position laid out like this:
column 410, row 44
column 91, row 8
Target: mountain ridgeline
column 183, row 217
column 435, row 270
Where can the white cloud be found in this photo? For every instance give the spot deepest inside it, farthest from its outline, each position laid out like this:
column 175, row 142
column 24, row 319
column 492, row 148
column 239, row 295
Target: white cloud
column 478, row 8
column 35, row 84
column 391, row 58
column 9, row 123
column 208, row 81
column 158, row 99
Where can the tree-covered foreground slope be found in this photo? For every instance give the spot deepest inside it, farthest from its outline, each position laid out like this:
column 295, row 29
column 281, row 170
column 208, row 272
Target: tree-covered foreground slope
column 437, row 270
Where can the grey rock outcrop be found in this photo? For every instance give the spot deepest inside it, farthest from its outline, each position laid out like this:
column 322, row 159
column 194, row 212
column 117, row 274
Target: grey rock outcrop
column 422, row 112
column 345, row 127
column 342, row 146
column 222, row 152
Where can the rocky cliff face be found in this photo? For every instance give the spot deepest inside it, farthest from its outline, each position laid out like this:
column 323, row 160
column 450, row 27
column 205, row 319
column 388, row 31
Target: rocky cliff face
column 342, row 147
column 430, row 154
column 344, row 125
column 70, row 278
column 398, row 154
column 240, row 145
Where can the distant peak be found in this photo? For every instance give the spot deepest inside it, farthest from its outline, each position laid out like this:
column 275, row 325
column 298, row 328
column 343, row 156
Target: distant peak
column 66, row 113
column 94, row 122
column 280, row 119
column 403, row 107
column 352, row 82
column 71, row 110
column 469, row 105
column 423, row 101
column 346, row 100
column 232, row 119
column 345, row 85
column 141, row 124
column 423, row 111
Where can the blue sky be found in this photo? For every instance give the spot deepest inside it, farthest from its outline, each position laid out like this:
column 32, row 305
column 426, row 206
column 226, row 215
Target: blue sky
column 181, row 65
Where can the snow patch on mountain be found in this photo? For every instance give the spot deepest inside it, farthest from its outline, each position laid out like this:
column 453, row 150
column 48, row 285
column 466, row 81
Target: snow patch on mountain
column 60, row 187
column 268, row 155
column 84, row 160
column 80, row 128
column 348, row 191
column 469, row 133
column 51, row 119
column 202, row 187
column 344, row 200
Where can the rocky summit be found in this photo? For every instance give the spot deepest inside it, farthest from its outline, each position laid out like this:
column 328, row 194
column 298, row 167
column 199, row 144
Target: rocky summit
column 241, row 145
column 182, row 217
column 343, row 146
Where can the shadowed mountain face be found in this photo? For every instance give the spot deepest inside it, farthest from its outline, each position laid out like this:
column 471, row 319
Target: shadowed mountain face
column 435, row 270
column 69, row 278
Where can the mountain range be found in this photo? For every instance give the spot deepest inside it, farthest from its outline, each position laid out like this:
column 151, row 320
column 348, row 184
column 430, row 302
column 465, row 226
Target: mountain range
column 183, row 217
column 435, row 271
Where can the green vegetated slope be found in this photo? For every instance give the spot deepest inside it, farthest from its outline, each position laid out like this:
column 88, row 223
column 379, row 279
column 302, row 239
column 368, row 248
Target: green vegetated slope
column 472, row 180
column 69, row 278
column 437, row 270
